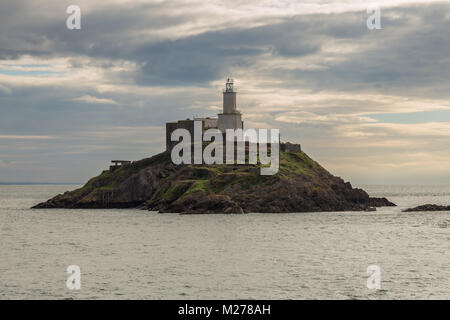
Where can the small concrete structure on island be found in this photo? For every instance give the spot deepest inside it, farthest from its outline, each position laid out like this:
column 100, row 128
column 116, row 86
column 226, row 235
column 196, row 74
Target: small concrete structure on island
column 290, row 147
column 118, row 164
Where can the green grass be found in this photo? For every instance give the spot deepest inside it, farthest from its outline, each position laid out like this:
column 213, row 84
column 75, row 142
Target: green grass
column 171, row 191
column 296, row 163
column 204, row 178
column 198, row 186
column 102, row 180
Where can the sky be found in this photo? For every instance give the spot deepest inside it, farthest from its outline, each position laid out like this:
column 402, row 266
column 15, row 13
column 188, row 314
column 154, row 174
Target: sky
column 371, row 106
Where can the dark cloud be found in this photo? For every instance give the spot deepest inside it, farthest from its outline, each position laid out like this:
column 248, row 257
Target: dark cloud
column 411, row 50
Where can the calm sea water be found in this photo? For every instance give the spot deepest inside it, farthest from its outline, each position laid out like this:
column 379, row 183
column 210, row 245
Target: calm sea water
column 126, row 254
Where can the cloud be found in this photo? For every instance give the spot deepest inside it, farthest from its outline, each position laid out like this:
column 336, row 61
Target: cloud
column 91, row 99
column 312, row 118
column 310, row 68
column 426, row 130
column 5, row 90
column 19, row 137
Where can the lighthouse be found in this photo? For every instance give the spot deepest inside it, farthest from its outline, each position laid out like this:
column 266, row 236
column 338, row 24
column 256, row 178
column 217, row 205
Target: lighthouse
column 231, row 118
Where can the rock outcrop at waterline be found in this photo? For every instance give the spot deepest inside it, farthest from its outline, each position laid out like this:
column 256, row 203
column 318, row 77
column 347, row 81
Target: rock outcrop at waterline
column 428, row 207
column 156, row 184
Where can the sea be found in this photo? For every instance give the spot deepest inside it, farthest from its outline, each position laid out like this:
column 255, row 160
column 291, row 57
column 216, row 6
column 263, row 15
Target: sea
column 137, row 254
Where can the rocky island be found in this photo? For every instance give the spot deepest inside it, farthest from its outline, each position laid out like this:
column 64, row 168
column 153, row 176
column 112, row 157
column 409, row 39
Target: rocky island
column 156, row 184
column 428, row 207
column 299, row 184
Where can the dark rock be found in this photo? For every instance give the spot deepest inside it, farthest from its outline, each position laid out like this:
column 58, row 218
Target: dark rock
column 157, row 184
column 428, row 207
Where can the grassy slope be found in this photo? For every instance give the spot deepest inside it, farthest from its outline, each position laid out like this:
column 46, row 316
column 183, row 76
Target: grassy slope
column 216, row 178
column 189, row 179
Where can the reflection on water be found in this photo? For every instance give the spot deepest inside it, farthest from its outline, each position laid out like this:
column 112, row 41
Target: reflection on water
column 127, row 254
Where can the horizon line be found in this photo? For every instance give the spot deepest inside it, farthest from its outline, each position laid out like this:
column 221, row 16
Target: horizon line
column 37, row 183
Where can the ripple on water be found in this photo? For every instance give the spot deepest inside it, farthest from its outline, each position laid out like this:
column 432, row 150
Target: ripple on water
column 126, row 254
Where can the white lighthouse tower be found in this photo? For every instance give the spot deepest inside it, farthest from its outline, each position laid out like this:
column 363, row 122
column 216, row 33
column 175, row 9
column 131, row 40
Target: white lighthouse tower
column 231, row 118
